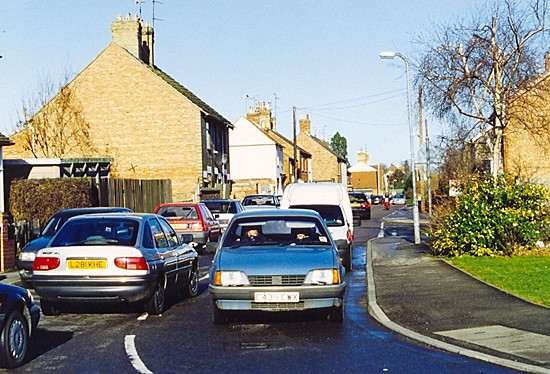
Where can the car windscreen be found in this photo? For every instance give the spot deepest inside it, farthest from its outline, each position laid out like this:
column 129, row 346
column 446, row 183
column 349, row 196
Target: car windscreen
column 276, row 231
column 97, row 231
column 220, row 206
column 332, row 214
column 259, row 200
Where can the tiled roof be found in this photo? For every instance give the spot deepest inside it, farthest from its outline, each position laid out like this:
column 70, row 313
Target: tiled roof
column 188, row 94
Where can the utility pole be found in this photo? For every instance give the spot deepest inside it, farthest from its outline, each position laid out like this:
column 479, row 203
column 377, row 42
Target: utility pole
column 295, row 171
column 428, row 171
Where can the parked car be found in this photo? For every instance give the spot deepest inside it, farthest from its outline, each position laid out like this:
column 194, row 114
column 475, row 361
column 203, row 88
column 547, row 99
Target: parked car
column 132, row 258
column 376, row 199
column 261, row 201
column 331, row 201
column 360, row 204
column 288, row 263
column 399, row 199
column 224, row 209
column 25, row 259
column 192, row 221
column 19, row 316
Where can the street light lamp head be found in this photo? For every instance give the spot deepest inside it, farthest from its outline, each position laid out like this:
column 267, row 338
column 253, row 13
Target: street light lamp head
column 388, row 54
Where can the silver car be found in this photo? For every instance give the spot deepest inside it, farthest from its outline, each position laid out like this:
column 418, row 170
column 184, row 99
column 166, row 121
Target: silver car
column 277, row 261
column 114, row 257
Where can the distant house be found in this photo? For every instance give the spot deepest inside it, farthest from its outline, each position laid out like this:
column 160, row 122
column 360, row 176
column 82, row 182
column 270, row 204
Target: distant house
column 326, row 166
column 262, row 158
column 364, row 177
column 147, row 123
column 527, row 133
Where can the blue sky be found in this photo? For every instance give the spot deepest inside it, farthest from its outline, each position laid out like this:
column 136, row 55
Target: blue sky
column 321, row 56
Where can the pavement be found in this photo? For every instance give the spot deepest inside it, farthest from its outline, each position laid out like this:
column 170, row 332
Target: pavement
column 426, row 299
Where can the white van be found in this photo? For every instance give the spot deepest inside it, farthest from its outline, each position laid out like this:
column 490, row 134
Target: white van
column 331, row 201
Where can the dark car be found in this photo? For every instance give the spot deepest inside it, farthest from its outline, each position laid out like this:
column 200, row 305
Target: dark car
column 265, row 201
column 19, row 316
column 26, row 257
column 360, row 204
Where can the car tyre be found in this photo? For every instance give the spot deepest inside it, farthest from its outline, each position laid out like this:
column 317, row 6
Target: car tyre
column 14, row 340
column 48, row 308
column 337, row 314
column 349, row 262
column 156, row 302
column 192, row 288
column 217, row 315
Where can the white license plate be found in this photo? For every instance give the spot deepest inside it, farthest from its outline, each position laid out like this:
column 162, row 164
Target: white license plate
column 276, row 297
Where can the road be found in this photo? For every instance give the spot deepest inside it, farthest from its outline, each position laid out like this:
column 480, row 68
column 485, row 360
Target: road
column 183, row 339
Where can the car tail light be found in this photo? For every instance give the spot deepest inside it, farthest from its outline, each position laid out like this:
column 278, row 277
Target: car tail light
column 365, row 204
column 46, row 263
column 349, row 236
column 198, row 226
column 131, row 263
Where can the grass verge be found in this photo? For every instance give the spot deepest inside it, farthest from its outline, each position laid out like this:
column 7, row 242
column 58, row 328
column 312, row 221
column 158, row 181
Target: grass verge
column 525, row 276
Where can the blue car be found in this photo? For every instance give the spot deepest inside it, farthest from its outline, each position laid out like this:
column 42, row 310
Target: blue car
column 277, row 260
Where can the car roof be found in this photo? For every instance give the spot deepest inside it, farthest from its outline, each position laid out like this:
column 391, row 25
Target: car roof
column 273, row 213
column 218, row 200
column 78, row 211
column 180, row 203
column 141, row 216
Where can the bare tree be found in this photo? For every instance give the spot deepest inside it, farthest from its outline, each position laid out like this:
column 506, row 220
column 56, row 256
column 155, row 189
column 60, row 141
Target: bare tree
column 52, row 123
column 471, row 70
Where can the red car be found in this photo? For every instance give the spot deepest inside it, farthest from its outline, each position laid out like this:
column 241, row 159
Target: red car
column 191, row 219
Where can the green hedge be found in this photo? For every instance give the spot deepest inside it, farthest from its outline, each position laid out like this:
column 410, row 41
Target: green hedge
column 42, row 198
column 495, row 217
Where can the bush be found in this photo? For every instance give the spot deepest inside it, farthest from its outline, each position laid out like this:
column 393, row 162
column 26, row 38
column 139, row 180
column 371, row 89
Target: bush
column 494, row 217
column 42, row 198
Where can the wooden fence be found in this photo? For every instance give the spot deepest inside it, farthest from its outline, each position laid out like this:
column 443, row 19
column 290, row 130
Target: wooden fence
column 140, row 195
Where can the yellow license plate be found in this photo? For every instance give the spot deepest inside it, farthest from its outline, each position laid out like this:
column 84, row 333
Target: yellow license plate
column 85, row 264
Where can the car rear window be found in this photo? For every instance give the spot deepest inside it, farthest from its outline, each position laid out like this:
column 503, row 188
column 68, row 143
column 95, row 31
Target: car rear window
column 332, row 214
column 357, row 198
column 97, row 231
column 178, row 212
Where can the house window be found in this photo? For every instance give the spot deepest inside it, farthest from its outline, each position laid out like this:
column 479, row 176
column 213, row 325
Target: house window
column 208, row 139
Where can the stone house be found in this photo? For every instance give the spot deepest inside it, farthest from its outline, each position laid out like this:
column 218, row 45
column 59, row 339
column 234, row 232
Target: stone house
column 326, row 166
column 151, row 126
column 527, row 133
column 364, row 177
column 262, row 158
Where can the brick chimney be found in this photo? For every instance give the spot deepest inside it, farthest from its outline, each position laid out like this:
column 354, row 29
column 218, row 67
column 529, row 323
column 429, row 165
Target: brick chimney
column 305, row 124
column 262, row 116
column 137, row 39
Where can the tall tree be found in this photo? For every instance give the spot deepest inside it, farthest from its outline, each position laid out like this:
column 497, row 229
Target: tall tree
column 339, row 145
column 52, row 123
column 471, row 69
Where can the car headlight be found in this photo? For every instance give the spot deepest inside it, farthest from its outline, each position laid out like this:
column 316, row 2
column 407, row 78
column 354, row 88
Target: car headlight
column 27, row 256
column 231, row 278
column 323, row 276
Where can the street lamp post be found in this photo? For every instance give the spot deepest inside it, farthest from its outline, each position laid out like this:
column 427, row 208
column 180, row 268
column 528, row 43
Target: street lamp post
column 416, row 220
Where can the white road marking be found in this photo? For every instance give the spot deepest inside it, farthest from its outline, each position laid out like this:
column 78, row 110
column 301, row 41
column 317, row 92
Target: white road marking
column 143, row 317
column 381, row 232
column 133, row 355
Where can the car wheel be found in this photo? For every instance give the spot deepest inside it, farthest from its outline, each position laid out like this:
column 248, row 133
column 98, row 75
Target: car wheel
column 217, row 315
column 337, row 314
column 155, row 304
column 348, row 265
column 192, row 288
column 14, row 340
column 49, row 309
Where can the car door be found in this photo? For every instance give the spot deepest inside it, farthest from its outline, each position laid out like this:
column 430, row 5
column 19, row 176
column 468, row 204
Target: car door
column 166, row 246
column 211, row 222
column 184, row 254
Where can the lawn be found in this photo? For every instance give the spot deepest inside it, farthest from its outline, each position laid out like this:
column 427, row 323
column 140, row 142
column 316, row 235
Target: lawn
column 525, row 276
